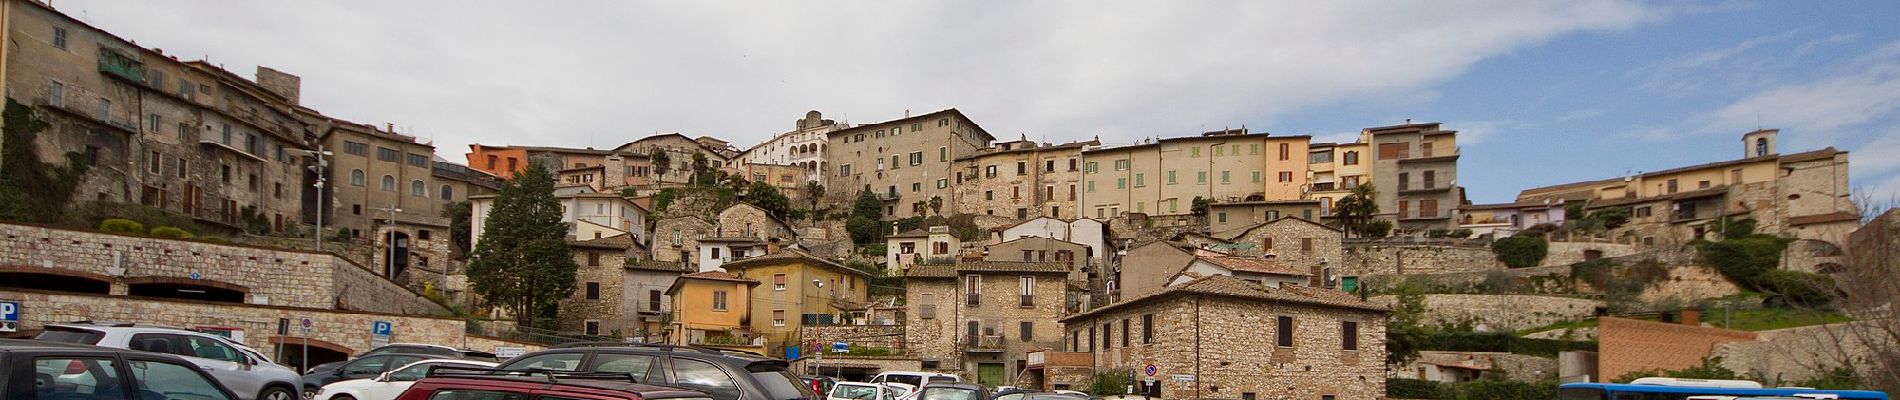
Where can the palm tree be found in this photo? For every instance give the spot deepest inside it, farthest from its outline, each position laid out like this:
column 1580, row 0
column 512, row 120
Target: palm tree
column 814, row 191
column 1355, row 210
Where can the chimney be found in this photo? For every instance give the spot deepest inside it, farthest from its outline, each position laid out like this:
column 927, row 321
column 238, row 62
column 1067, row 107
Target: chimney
column 1691, row 317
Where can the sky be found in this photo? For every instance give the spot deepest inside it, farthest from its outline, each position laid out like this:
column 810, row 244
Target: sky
column 1541, row 92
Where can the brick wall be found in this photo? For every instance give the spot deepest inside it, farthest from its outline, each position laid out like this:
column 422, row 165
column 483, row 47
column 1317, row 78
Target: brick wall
column 1626, row 345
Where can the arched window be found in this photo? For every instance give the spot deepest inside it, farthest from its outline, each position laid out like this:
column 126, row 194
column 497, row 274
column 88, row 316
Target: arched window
column 356, row 177
column 389, row 183
column 1761, row 146
column 448, row 193
column 1352, row 158
column 416, row 188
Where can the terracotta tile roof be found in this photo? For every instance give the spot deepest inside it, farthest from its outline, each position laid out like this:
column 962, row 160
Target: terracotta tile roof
column 790, row 254
column 652, row 265
column 1842, row 216
column 1228, row 286
column 1825, row 153
column 963, row 267
column 1256, row 265
column 717, row 276
column 621, row 242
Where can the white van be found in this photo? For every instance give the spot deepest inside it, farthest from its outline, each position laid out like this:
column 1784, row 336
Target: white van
column 913, row 378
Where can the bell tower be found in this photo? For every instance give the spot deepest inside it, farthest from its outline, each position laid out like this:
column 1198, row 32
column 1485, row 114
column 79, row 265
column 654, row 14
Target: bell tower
column 1759, row 143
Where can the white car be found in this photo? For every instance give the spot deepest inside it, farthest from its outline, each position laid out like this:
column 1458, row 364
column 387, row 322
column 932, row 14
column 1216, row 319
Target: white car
column 913, row 378
column 868, row 391
column 243, row 370
column 389, row 384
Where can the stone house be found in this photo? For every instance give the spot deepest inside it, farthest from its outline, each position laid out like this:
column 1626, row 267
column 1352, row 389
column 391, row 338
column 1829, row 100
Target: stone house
column 598, row 305
column 933, row 245
column 1223, row 337
column 743, row 220
column 711, row 307
column 1260, row 271
column 1299, row 243
column 803, row 147
column 680, row 150
column 904, row 161
column 981, row 319
column 677, row 239
column 1042, row 249
column 799, row 289
column 1021, row 179
column 1229, row 216
column 1147, row 268
column 643, row 292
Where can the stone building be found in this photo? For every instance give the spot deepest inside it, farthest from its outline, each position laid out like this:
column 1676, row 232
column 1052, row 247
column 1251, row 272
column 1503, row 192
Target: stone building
column 185, row 137
column 1090, row 233
column 905, row 161
column 1222, row 337
column 933, row 245
column 1260, row 271
column 1803, row 195
column 1162, row 177
column 750, row 221
column 1229, row 216
column 803, row 148
column 981, row 319
column 643, row 292
column 1042, row 249
column 677, row 239
column 375, row 170
column 599, row 306
column 1299, row 243
column 1021, row 179
column 679, row 150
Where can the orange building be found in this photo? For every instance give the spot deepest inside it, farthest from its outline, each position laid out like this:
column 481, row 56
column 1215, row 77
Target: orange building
column 500, row 161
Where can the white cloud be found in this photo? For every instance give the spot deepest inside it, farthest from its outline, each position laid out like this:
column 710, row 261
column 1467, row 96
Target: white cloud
column 599, row 73
column 1473, row 132
column 1580, row 114
column 1810, row 46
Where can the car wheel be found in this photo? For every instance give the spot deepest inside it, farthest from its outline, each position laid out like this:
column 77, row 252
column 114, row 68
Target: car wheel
column 277, row 393
column 309, row 393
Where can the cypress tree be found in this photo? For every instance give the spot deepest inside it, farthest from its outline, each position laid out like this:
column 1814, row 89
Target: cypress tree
column 522, row 261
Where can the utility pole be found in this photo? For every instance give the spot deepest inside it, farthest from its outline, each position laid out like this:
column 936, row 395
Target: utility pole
column 322, row 177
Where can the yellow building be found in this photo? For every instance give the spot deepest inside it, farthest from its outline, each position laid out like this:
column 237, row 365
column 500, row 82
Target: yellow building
column 798, row 289
column 1163, row 177
column 1336, row 170
column 711, row 308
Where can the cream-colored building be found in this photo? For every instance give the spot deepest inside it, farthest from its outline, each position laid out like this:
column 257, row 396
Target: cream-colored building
column 1021, row 179
column 905, row 161
column 1163, row 177
column 803, row 147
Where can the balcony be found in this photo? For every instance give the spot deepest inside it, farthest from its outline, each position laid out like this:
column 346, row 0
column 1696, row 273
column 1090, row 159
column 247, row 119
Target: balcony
column 983, row 343
column 889, row 196
column 1026, row 300
column 1041, row 359
column 973, row 299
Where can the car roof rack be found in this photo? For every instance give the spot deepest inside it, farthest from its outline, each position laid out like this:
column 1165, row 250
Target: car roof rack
column 669, row 347
column 551, row 376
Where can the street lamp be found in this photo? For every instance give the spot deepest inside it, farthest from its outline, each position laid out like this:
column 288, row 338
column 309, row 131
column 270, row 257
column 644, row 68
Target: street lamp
column 389, row 260
column 818, row 363
column 322, row 177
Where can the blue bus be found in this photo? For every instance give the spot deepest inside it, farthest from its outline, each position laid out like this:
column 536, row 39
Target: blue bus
column 1621, row 391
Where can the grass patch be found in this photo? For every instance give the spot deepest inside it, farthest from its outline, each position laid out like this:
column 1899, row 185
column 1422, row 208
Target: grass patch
column 1765, row 319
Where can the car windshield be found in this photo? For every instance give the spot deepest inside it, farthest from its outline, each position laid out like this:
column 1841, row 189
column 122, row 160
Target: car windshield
column 912, row 380
column 778, row 383
column 70, row 335
column 947, row 393
column 853, row 392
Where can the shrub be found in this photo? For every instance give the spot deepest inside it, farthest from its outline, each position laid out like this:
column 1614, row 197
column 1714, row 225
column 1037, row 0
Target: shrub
column 1736, row 228
column 865, row 230
column 125, row 226
column 214, row 240
column 1109, row 383
column 1520, row 251
column 1743, row 259
column 1798, row 288
column 1460, row 233
column 170, row 232
column 1438, row 233
column 1378, row 229
column 1401, row 388
column 1538, row 230
column 343, row 235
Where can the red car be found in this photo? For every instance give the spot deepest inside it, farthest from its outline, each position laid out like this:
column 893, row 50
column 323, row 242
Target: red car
column 450, row 384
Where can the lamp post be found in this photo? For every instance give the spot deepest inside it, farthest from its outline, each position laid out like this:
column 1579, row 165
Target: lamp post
column 322, row 177
column 818, row 363
column 389, row 258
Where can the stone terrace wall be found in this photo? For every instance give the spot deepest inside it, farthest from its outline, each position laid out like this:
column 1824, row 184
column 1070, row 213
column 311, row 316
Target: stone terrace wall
column 1501, row 312
column 1379, row 258
column 884, row 336
column 258, row 322
column 1566, row 253
column 269, row 276
column 1802, row 353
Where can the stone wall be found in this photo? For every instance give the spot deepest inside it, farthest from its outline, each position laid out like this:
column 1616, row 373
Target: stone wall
column 931, row 336
column 1517, row 367
column 1566, row 253
column 257, row 322
column 1505, row 312
column 269, row 276
column 1407, row 257
column 859, row 336
column 1802, row 353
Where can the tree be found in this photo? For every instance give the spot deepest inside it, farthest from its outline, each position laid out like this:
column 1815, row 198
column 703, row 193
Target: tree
column 458, row 214
column 868, row 206
column 814, row 192
column 1356, row 210
column 522, row 261
column 1199, row 206
column 1404, row 333
column 936, row 205
column 1613, row 217
column 700, row 167
column 31, row 190
column 866, row 222
column 769, row 198
column 662, row 162
column 1520, row 251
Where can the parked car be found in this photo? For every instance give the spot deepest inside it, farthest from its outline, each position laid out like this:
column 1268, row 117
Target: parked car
column 913, row 378
column 359, row 368
column 951, row 391
column 721, row 374
column 446, row 383
column 866, row 391
column 75, row 371
column 412, row 348
column 241, row 369
column 821, row 384
column 390, row 384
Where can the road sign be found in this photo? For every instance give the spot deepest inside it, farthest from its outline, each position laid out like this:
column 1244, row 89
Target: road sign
column 791, row 352
column 306, row 325
column 381, row 328
column 509, row 352
column 9, row 316
column 1181, row 378
column 196, row 276
column 840, row 347
column 1151, row 370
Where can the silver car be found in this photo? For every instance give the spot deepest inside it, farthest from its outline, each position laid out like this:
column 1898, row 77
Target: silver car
column 243, row 370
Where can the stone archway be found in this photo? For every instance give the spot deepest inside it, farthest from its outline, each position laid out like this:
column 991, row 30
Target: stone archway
column 291, row 351
column 58, row 280
column 186, row 289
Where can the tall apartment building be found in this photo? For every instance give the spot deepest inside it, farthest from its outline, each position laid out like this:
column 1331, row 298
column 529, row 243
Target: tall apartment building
column 803, row 146
column 184, row 137
column 1413, row 168
column 905, row 161
column 1021, row 179
column 374, row 170
column 1163, row 177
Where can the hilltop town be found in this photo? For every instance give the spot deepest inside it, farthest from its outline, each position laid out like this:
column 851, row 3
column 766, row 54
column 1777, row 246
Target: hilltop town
column 146, row 188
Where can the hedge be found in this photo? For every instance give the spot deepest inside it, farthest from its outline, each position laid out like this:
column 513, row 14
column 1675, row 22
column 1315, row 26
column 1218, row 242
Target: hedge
column 119, row 225
column 1401, row 388
column 1501, row 342
column 1520, row 251
column 170, row 232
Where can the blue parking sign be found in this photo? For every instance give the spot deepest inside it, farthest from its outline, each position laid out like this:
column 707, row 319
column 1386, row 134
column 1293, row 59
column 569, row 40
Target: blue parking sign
column 381, row 328
column 9, row 311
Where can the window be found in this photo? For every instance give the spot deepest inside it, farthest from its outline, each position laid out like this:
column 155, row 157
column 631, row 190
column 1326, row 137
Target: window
column 389, row 183
column 844, row 170
column 778, row 317
column 563, row 361
column 1428, row 208
column 715, row 255
column 916, row 158
column 1108, row 332
column 1141, row 179
column 1735, row 176
column 1351, row 158
column 1283, row 331
column 448, row 193
column 1431, row 179
column 224, row 173
column 387, row 154
column 418, row 160
column 1349, row 335
column 1200, row 177
column 1286, row 176
column 637, row 365
column 592, row 327
column 418, row 189
column 1226, row 177
column 1702, row 185
column 184, row 132
column 704, row 377
column 1405, row 208
column 1091, row 186
column 1022, row 168
column 971, row 286
column 943, row 153
column 1642, row 212
column 1091, row 167
column 1028, row 330
column 1121, row 165
column 1027, row 291
column 1147, row 328
column 59, row 38
column 778, row 282
column 1306, row 245
column 653, row 300
column 1405, row 181
column 1049, row 166
column 177, row 380
column 1672, row 186
column 1222, row 217
column 943, row 183
column 1219, row 151
column 916, row 187
column 1267, row 243
column 153, row 123
column 1394, row 151
column 362, row 149
column 718, row 300
column 593, row 260
column 1121, row 183
column 105, row 110
column 1283, row 152
column 1072, row 165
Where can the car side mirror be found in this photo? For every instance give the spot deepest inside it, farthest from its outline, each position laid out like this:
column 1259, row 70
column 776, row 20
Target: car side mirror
column 384, row 377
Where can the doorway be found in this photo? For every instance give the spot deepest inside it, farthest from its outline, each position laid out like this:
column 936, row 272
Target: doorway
column 989, row 374
column 397, row 259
